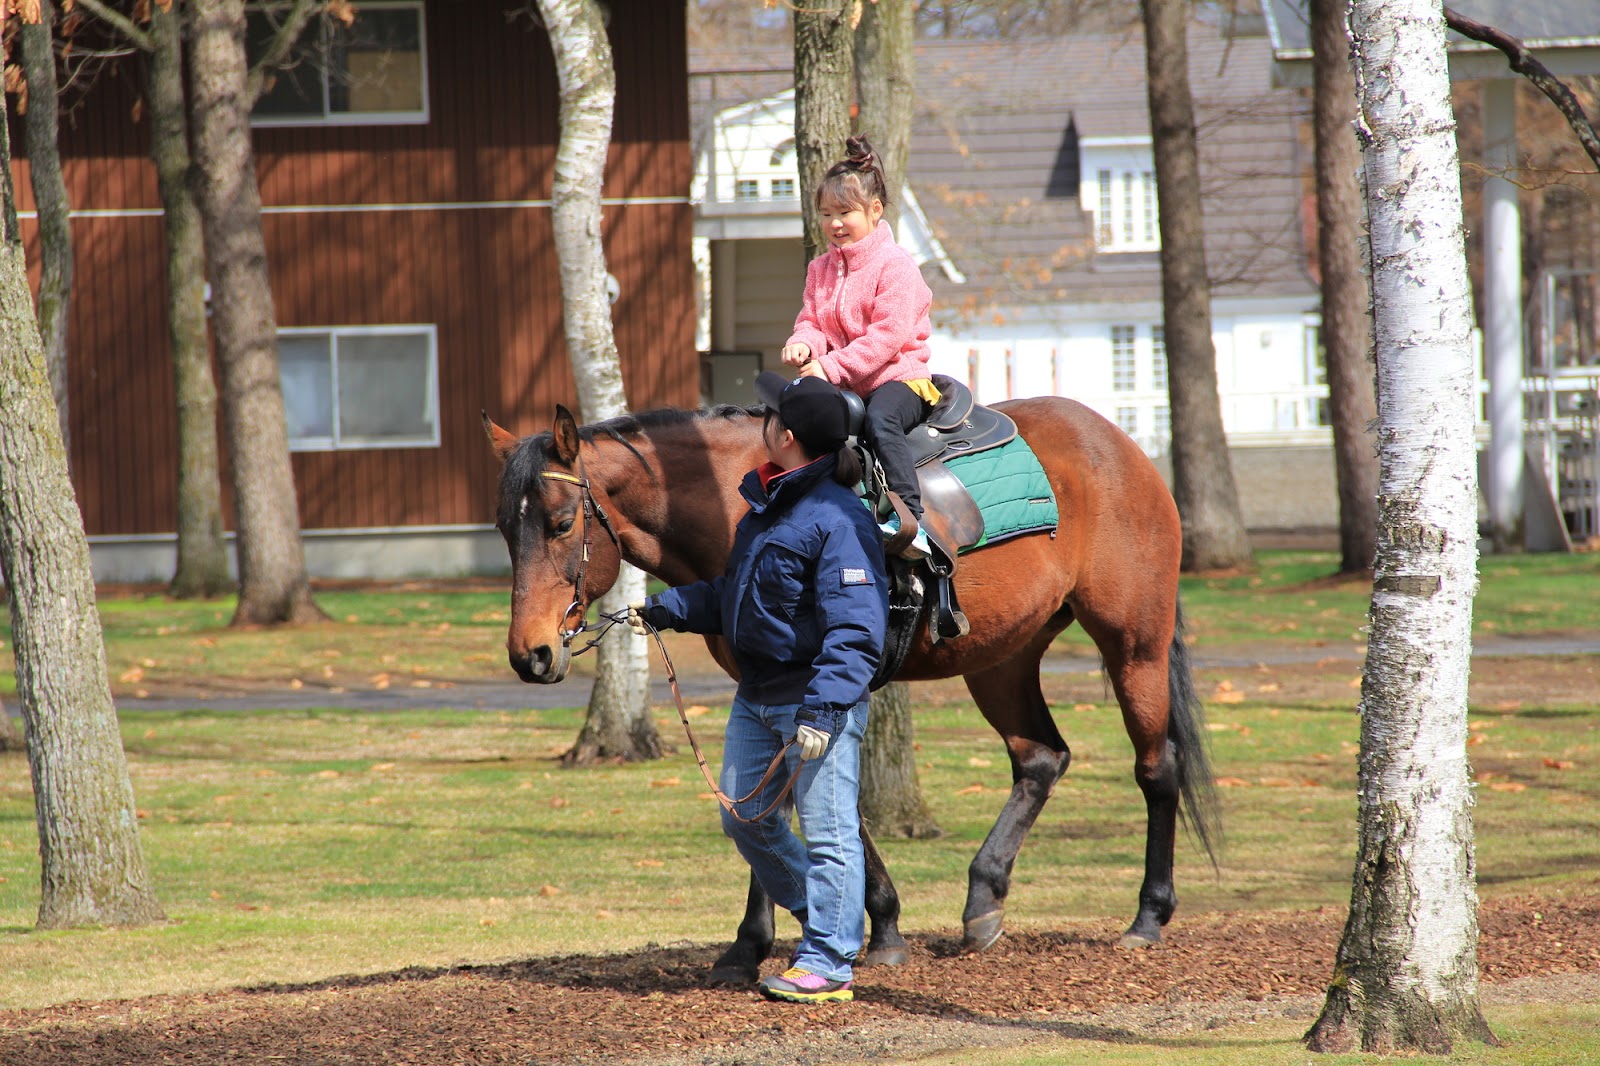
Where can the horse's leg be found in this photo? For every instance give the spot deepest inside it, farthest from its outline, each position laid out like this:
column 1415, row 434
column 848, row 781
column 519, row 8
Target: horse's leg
column 1010, row 698
column 741, row 963
column 885, row 945
column 1163, row 717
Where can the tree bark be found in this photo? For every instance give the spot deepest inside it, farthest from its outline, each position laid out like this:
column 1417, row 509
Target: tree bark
column 40, row 129
column 1202, row 473
column 618, row 724
column 202, row 567
column 886, row 90
column 273, row 585
column 891, row 796
column 823, row 50
column 1345, row 333
column 92, row 869
column 1406, row 972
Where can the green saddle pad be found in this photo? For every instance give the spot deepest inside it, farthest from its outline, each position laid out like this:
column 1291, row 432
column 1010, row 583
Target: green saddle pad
column 1011, row 490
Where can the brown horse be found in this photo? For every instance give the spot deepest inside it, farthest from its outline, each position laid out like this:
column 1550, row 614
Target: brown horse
column 660, row 490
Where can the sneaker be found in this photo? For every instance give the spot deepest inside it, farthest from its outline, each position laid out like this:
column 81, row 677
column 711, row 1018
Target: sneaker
column 918, row 548
column 802, row 986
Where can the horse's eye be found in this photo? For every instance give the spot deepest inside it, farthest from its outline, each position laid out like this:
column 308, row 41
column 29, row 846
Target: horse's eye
column 563, row 527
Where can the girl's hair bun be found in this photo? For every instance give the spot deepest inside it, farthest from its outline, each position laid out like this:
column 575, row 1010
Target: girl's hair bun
column 858, row 152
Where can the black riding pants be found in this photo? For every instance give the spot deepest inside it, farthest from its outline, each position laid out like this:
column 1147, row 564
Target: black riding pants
column 892, row 410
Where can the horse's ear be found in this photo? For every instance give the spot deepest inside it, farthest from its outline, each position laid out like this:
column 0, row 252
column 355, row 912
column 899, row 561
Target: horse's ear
column 501, row 442
column 566, row 436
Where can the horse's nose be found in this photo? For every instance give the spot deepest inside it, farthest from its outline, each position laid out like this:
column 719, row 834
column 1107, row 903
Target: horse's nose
column 539, row 665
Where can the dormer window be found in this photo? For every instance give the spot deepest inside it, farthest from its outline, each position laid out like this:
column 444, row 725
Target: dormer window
column 1119, row 190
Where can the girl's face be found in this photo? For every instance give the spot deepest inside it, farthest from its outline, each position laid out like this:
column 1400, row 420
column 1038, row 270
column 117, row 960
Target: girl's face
column 848, row 223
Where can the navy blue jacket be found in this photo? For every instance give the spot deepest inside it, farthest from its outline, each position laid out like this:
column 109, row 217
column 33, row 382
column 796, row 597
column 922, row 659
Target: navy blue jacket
column 804, row 602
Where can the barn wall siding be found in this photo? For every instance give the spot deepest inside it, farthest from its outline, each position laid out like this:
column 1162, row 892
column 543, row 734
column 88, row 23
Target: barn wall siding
column 444, row 223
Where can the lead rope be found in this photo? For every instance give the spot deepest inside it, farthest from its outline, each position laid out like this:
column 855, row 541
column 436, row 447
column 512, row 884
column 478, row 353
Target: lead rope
column 621, row 618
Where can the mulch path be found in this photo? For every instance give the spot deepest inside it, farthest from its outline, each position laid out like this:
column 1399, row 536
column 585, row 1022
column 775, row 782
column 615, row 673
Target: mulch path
column 654, row 1004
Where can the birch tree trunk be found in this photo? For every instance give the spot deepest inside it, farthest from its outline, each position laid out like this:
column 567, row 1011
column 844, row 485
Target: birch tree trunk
column 618, row 724
column 1345, row 333
column 273, row 585
column 824, row 44
column 1202, row 472
column 202, row 568
column 891, row 795
column 1406, row 972
column 92, row 869
column 40, row 129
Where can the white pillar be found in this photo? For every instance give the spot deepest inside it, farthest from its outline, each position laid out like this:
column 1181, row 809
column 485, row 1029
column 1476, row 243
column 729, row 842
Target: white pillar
column 1502, row 318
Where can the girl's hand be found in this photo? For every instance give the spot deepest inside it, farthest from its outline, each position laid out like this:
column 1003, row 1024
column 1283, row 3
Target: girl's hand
column 813, row 369
column 796, row 354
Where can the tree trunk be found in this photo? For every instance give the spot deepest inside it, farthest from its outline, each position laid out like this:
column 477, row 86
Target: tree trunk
column 891, row 797
column 1406, row 972
column 202, row 568
column 50, row 197
column 619, row 724
column 886, row 90
column 1345, row 333
column 273, row 586
column 1202, row 472
column 823, row 47
column 92, row 869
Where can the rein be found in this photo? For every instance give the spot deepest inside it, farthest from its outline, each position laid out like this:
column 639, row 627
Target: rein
column 728, row 802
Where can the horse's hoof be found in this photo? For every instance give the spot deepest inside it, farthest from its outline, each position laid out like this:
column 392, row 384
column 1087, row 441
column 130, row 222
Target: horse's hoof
column 981, row 932
column 732, row 975
column 1134, row 941
column 890, row 955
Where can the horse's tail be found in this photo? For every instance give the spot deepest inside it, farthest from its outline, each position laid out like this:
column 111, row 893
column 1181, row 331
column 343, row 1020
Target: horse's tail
column 1186, row 729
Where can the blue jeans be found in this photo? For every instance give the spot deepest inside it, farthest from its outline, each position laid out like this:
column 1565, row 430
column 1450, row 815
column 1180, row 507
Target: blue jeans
column 822, row 882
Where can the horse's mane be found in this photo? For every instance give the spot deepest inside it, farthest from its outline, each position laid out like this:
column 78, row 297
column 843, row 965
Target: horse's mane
column 532, row 455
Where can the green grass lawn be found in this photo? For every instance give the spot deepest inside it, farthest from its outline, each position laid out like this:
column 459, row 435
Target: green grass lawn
column 289, row 846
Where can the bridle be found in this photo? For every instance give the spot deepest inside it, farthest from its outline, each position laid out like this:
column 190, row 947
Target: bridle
column 588, row 505
column 580, row 606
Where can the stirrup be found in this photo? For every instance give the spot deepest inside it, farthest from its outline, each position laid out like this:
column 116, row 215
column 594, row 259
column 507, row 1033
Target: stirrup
column 902, row 538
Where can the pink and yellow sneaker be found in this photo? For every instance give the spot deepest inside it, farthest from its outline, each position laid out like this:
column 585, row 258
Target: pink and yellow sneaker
column 803, row 986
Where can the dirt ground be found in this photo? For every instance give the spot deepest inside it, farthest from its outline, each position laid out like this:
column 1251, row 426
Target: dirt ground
column 654, row 1006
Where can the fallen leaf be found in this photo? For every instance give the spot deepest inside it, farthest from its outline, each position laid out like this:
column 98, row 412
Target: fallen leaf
column 1508, row 705
column 602, row 914
column 131, row 675
column 665, row 782
column 1475, row 739
column 969, row 790
column 1232, row 782
column 1277, row 782
column 1224, row 686
column 1508, row 786
column 487, row 922
column 327, row 775
column 1558, row 764
column 1270, row 686
column 696, row 711
column 1355, row 682
column 1083, row 706
column 381, row 767
column 977, row 761
column 650, row 863
column 560, row 801
column 549, row 890
column 1227, row 697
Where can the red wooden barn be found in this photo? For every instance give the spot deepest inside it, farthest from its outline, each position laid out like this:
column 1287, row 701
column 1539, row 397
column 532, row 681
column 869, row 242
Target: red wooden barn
column 405, row 180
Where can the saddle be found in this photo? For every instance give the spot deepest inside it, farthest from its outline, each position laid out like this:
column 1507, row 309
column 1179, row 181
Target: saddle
column 951, row 519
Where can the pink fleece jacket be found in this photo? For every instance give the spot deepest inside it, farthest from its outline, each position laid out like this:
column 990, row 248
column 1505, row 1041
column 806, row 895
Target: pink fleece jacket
column 865, row 314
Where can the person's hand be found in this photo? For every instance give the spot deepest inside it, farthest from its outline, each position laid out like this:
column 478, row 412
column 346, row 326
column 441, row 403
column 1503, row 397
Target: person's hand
column 636, row 619
column 796, row 354
column 813, row 369
column 813, row 742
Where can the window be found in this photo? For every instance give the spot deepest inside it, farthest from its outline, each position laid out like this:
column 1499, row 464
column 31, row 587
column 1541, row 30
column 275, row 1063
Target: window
column 1158, row 358
column 371, row 72
column 360, row 387
column 1123, row 372
column 782, row 188
column 1128, row 420
column 747, row 189
column 1121, row 194
column 1163, row 426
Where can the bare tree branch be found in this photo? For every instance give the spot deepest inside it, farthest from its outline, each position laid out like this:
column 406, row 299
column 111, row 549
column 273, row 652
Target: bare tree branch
column 120, row 22
column 282, row 43
column 1523, row 62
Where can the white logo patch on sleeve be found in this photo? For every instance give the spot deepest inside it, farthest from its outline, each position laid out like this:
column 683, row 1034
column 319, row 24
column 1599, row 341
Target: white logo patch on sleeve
column 855, row 575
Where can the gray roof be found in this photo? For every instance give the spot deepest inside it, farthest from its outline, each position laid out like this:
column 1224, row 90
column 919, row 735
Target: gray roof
column 993, row 167
column 1539, row 23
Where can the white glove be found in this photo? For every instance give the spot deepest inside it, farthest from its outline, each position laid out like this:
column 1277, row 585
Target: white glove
column 813, row 742
column 636, row 619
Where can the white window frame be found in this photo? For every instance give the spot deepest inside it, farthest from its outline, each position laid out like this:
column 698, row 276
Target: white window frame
column 363, row 118
column 746, row 189
column 782, row 188
column 1128, row 419
column 1119, row 191
column 335, row 443
column 1124, row 361
column 1158, row 358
